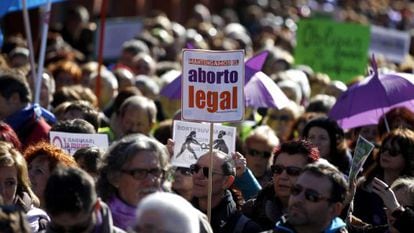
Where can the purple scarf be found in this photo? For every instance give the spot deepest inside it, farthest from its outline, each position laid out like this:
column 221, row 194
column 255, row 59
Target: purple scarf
column 123, row 214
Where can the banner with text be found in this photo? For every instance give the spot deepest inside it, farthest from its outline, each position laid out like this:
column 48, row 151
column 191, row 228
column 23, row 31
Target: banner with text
column 193, row 139
column 71, row 142
column 337, row 49
column 212, row 85
column 392, row 44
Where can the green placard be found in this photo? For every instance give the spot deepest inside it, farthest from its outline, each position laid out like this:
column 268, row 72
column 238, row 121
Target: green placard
column 338, row 49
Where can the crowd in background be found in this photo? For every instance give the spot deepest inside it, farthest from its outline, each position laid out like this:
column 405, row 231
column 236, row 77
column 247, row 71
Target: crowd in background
column 290, row 170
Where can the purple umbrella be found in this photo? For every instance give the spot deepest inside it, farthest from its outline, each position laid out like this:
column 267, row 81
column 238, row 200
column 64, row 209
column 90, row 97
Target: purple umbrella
column 365, row 102
column 260, row 90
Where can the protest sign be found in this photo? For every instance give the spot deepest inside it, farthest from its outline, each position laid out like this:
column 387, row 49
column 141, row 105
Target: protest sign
column 71, row 142
column 212, row 85
column 193, row 139
column 392, row 44
column 337, row 49
column 362, row 150
column 117, row 31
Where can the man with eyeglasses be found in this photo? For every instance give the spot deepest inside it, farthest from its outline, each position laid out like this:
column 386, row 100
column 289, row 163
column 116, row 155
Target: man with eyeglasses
column 289, row 158
column 316, row 200
column 224, row 214
column 73, row 206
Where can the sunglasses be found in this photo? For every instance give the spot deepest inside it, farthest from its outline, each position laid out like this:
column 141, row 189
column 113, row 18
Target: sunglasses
column 391, row 151
column 290, row 170
column 195, row 168
column 263, row 154
column 310, row 194
column 185, row 171
column 142, row 173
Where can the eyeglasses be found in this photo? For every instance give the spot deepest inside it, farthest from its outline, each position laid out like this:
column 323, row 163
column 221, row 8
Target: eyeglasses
column 194, row 168
column 310, row 194
column 263, row 154
column 185, row 171
column 290, row 170
column 142, row 173
column 391, row 151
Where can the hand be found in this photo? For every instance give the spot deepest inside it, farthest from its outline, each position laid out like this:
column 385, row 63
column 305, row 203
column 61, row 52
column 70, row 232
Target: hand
column 387, row 195
column 240, row 163
column 170, row 147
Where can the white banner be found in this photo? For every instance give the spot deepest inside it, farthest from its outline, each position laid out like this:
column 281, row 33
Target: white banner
column 392, row 44
column 192, row 140
column 71, row 142
column 212, row 85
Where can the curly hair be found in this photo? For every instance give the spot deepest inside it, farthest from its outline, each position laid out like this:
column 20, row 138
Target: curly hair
column 54, row 155
column 304, row 147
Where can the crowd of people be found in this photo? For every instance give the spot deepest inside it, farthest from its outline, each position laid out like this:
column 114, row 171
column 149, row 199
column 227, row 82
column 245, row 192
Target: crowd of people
column 289, row 172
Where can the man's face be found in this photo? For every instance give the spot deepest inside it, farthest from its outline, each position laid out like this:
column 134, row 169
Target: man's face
column 283, row 182
column 200, row 181
column 132, row 188
column 135, row 120
column 306, row 213
column 83, row 222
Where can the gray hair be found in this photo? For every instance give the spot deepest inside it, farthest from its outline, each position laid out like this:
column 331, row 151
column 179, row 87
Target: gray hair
column 121, row 153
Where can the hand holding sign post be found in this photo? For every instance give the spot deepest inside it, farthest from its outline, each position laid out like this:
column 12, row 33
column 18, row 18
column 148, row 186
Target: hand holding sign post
column 361, row 153
column 212, row 91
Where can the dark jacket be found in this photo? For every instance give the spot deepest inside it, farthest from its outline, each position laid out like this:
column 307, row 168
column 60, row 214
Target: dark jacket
column 105, row 225
column 225, row 218
column 266, row 209
column 404, row 221
column 336, row 226
column 369, row 207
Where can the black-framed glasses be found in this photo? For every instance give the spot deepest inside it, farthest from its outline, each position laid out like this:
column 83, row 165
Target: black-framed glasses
column 142, row 173
column 310, row 194
column 290, row 170
column 263, row 154
column 185, row 171
column 391, row 151
column 195, row 168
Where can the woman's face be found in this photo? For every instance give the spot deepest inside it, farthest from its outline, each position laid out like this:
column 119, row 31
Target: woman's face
column 8, row 184
column 39, row 173
column 391, row 157
column 132, row 188
column 320, row 138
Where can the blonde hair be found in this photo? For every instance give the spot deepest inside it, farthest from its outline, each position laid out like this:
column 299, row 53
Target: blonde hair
column 9, row 156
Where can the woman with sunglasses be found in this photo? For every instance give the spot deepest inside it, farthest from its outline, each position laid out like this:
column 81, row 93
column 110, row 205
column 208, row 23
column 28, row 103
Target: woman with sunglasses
column 395, row 159
column 272, row 201
column 133, row 167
